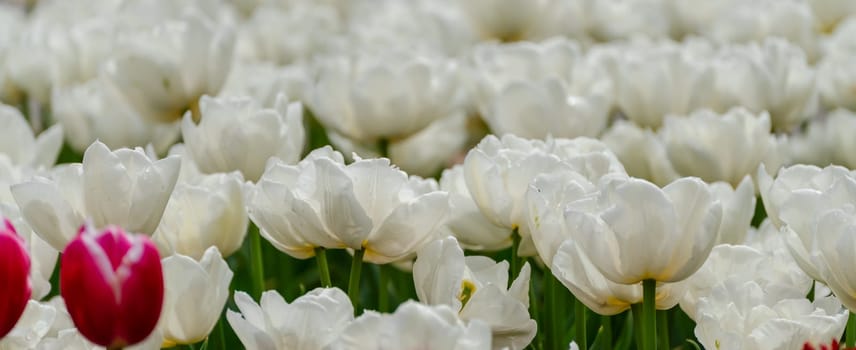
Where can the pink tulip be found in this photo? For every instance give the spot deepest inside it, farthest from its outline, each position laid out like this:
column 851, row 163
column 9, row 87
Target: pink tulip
column 15, row 286
column 112, row 284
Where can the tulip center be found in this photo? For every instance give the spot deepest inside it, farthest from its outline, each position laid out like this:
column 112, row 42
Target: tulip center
column 467, row 290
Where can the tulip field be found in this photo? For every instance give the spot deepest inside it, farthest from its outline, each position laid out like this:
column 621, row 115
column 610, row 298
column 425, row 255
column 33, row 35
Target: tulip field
column 428, row 174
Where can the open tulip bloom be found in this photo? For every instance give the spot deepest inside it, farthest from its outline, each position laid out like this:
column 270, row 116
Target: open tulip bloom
column 112, row 283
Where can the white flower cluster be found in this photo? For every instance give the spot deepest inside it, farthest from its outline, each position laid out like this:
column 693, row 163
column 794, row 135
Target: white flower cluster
column 610, row 142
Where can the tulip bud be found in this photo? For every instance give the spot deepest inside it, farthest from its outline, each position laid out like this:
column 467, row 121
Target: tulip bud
column 15, row 287
column 112, row 284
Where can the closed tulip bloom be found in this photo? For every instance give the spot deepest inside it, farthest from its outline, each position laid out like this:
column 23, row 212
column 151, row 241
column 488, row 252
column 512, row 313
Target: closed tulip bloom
column 15, row 268
column 23, row 148
column 254, row 133
column 637, row 231
column 113, row 286
column 414, row 326
column 43, row 257
column 312, row 321
column 475, row 286
column 368, row 204
column 831, row 252
column 194, row 297
column 204, row 211
column 112, row 187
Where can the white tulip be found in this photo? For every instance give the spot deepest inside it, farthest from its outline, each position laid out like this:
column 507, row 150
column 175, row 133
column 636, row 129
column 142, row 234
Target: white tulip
column 716, row 147
column 204, row 212
column 466, row 222
column 414, row 326
column 774, row 76
column 653, row 81
column 264, row 82
column 368, row 205
column 123, row 187
column 829, row 13
column 310, row 27
column 641, row 152
column 498, row 173
column 475, row 286
column 164, row 70
column 756, row 20
column 741, row 315
column 312, row 321
column 195, row 293
column 779, row 278
column 798, row 197
column 386, row 96
column 424, row 153
column 615, row 20
column 738, row 208
column 520, row 20
column 637, row 231
column 836, row 78
column 573, row 268
column 827, row 141
column 22, row 147
column 254, row 135
column 96, row 110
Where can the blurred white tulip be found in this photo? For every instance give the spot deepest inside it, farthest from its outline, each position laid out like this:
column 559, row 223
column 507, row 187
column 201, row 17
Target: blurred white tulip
column 720, row 147
column 164, row 70
column 264, row 82
column 475, row 286
column 285, row 36
column 96, row 111
column 738, row 209
column 22, row 147
column 620, row 19
column 827, row 140
column 254, row 135
column 641, row 152
column 383, row 96
column 312, row 321
column 836, row 80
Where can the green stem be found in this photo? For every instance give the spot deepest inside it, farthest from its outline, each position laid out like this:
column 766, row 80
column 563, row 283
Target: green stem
column 258, row 272
column 636, row 317
column 851, row 331
column 538, row 342
column 648, row 321
column 383, row 293
column 323, row 269
column 580, row 324
column 606, row 328
column 516, row 265
column 221, row 335
column 550, row 310
column 662, row 330
column 354, row 279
